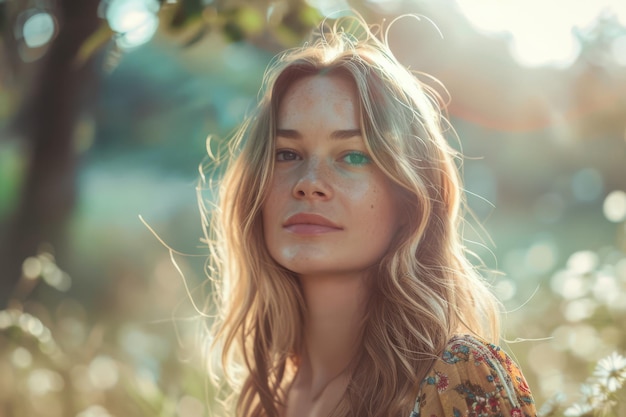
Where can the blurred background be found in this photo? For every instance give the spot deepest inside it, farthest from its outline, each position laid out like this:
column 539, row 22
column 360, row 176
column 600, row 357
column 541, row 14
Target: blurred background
column 105, row 109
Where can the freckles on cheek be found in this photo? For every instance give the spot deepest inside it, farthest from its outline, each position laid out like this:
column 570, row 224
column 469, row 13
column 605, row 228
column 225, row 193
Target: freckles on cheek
column 277, row 186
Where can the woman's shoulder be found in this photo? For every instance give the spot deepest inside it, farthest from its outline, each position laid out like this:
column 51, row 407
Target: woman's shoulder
column 474, row 377
column 465, row 349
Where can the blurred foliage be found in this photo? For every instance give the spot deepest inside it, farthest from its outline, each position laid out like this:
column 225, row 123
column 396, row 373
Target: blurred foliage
column 61, row 360
column 579, row 326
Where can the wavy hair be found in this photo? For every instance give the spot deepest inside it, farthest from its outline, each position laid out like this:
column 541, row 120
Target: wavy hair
column 425, row 290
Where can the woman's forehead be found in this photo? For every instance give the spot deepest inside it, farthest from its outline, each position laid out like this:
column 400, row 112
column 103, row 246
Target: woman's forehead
column 320, row 96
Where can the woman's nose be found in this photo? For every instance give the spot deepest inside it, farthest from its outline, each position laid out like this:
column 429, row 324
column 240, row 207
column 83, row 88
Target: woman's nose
column 313, row 181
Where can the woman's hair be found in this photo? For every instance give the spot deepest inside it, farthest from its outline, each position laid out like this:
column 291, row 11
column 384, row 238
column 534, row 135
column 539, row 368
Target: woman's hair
column 425, row 290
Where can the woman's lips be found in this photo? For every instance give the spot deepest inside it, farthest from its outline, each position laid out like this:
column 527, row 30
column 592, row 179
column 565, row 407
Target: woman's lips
column 310, row 224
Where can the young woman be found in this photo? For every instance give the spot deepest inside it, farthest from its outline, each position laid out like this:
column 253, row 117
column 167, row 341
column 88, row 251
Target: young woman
column 345, row 290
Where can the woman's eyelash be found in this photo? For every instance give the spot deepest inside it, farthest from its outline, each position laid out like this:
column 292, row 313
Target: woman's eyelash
column 286, row 155
column 351, row 157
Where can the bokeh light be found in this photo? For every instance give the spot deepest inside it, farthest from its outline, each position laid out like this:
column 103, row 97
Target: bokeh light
column 569, row 285
column 542, row 255
column 31, row 268
column 55, row 277
column 606, row 289
column 103, row 372
column 579, row 310
column 135, row 21
column 34, row 326
column 505, row 289
column 540, row 32
column 42, row 381
column 582, row 262
column 33, row 30
column 21, row 357
column 614, row 206
column 38, row 29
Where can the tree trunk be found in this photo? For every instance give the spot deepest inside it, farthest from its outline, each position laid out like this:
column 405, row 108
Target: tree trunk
column 49, row 117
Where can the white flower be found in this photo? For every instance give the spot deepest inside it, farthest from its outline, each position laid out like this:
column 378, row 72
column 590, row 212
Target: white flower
column 593, row 393
column 611, row 371
column 578, row 410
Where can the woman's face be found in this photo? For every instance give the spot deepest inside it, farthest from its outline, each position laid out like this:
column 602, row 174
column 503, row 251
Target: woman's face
column 330, row 210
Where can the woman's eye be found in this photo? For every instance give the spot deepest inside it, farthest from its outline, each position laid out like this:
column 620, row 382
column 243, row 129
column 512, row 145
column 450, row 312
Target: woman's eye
column 286, row 155
column 357, row 158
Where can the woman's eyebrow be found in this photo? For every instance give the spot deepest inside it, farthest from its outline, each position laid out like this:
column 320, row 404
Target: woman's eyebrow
column 337, row 134
column 345, row 134
column 288, row 133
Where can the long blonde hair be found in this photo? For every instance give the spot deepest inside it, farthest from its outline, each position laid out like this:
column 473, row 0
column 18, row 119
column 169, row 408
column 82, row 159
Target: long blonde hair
column 425, row 290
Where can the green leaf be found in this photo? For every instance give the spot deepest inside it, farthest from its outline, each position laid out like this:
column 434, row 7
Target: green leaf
column 186, row 11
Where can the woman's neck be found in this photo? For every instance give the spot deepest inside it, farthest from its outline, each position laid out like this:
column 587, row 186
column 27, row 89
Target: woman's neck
column 333, row 325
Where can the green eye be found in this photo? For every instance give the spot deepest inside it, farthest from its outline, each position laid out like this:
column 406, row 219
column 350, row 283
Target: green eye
column 357, row 158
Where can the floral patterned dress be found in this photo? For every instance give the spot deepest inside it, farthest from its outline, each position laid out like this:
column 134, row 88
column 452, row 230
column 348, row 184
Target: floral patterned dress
column 474, row 378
